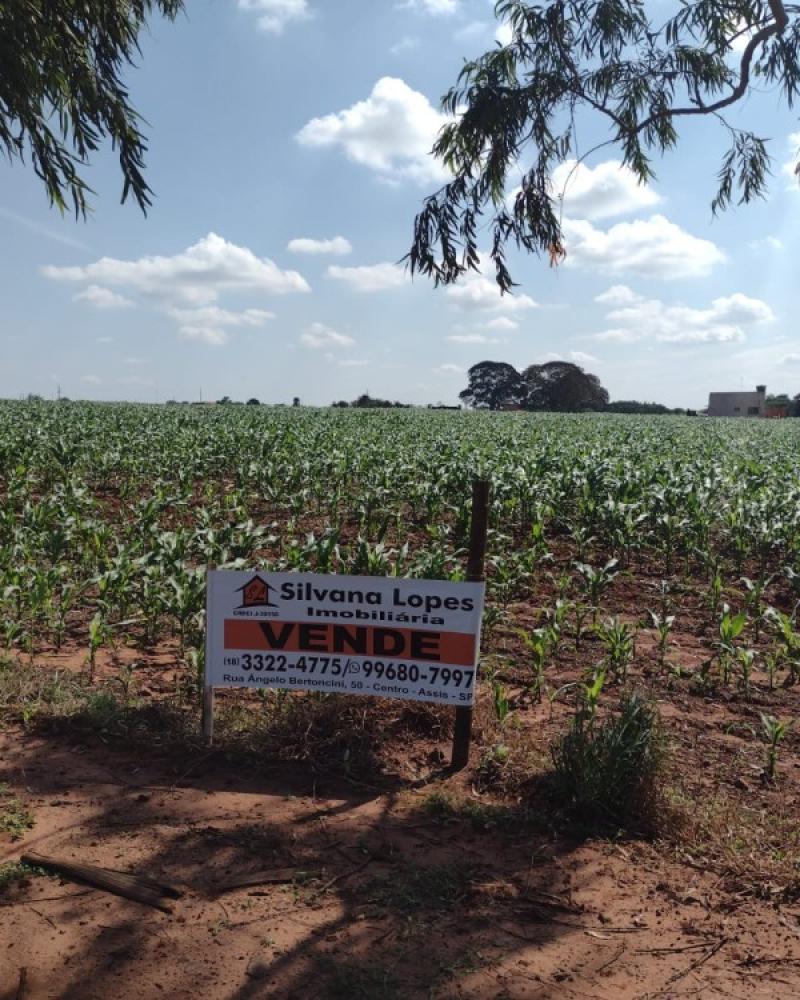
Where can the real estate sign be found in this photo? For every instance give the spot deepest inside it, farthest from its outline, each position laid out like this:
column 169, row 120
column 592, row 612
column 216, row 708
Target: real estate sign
column 394, row 638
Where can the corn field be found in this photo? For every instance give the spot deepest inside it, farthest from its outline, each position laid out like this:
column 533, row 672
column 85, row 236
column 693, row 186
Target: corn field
column 667, row 546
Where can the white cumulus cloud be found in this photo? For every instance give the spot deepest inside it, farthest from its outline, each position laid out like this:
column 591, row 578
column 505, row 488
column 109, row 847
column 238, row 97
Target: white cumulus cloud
column 602, row 191
column 404, row 44
column 475, row 291
column 578, row 357
column 472, row 338
column 211, row 325
column 435, row 7
column 766, row 243
column 448, row 369
column 213, row 335
column 472, row 30
column 790, row 359
column 504, row 34
column 274, row 15
column 391, row 132
column 653, row 247
column 370, row 277
column 195, row 276
column 320, row 336
column 724, row 321
column 338, row 246
column 789, row 167
column 353, row 363
column 618, row 295
column 502, row 323
column 102, row 298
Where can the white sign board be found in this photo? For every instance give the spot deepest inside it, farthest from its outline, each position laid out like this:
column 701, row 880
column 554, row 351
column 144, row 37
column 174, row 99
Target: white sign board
column 394, row 638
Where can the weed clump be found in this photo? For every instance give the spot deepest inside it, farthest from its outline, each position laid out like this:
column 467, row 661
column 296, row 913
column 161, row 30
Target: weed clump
column 13, row 873
column 15, row 818
column 608, row 772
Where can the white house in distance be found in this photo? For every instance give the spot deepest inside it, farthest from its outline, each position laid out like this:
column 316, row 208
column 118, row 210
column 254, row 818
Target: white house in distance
column 738, row 404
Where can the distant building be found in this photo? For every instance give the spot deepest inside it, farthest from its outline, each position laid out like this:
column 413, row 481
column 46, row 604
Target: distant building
column 738, row 404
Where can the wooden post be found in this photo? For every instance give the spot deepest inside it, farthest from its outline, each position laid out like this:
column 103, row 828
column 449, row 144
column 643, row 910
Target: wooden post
column 462, row 734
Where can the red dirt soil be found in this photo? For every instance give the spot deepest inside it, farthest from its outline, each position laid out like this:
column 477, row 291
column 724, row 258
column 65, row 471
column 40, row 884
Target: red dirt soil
column 387, row 898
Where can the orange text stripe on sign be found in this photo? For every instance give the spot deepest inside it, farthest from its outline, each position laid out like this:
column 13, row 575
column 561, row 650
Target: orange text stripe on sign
column 357, row 640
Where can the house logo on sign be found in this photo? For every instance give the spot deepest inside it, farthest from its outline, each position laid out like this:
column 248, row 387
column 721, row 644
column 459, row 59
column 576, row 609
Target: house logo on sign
column 256, row 593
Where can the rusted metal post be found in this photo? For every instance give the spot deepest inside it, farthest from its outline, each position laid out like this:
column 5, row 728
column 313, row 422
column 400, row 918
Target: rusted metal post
column 208, row 691
column 462, row 734
column 208, row 715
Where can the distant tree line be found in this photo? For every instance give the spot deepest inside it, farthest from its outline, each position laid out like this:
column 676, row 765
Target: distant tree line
column 634, row 406
column 783, row 405
column 365, row 401
column 558, row 386
column 555, row 385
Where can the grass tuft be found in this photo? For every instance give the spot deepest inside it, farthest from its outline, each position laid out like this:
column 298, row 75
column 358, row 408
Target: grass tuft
column 427, row 888
column 358, row 980
column 15, row 818
column 12, row 872
column 609, row 773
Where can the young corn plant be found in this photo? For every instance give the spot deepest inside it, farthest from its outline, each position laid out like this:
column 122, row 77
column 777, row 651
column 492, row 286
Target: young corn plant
column 185, row 602
column 504, row 580
column 196, row 660
column 538, row 647
column 597, row 580
column 715, row 594
column 730, row 628
column 665, row 597
column 671, row 528
column 663, row 626
column 755, row 601
column 99, row 633
column 590, row 693
column 582, row 612
column 492, row 618
column 67, row 596
column 500, row 702
column 556, row 621
column 744, row 659
column 538, row 550
column 583, row 538
column 772, row 661
column 774, row 732
column 619, row 642
column 791, row 643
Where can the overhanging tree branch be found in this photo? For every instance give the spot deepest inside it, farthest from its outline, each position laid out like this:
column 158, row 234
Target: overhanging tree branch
column 739, row 90
column 61, row 90
column 606, row 56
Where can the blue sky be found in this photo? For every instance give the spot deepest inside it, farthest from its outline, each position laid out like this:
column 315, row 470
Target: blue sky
column 288, row 152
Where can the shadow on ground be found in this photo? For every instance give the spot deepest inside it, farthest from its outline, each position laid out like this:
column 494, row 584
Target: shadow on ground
column 390, row 891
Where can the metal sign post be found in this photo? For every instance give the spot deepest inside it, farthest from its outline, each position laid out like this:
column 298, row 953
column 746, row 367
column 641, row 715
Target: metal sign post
column 462, row 733
column 208, row 690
